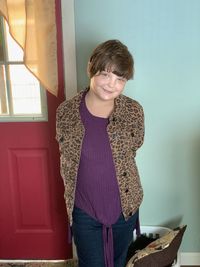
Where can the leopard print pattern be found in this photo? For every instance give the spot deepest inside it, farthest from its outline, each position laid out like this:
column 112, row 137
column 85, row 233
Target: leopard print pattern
column 126, row 134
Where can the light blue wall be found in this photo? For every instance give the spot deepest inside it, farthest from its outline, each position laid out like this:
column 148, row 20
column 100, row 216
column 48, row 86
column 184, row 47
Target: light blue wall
column 164, row 37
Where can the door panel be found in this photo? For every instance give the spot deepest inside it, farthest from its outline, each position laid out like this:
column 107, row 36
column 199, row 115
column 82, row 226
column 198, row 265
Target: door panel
column 31, row 203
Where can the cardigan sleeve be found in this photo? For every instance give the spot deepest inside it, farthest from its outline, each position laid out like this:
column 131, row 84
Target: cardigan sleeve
column 141, row 128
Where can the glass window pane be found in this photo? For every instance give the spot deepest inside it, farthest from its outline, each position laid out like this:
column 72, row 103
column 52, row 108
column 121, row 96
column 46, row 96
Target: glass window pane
column 3, row 92
column 15, row 53
column 25, row 91
column 1, row 43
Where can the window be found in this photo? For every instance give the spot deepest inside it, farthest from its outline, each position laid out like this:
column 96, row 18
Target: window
column 21, row 96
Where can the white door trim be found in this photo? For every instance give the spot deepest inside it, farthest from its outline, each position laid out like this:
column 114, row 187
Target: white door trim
column 69, row 48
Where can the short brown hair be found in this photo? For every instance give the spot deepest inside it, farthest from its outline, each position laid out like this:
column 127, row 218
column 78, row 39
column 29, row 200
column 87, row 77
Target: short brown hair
column 112, row 56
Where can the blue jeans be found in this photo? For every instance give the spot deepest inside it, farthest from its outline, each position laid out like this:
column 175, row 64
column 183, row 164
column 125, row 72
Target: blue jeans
column 88, row 239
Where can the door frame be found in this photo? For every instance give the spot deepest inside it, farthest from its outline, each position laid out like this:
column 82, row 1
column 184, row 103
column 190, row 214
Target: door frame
column 69, row 47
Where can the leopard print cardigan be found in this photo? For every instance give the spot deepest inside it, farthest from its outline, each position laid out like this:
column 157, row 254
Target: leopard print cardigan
column 126, row 134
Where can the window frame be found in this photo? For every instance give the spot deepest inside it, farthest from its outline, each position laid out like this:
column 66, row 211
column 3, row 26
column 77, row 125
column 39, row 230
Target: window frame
column 11, row 117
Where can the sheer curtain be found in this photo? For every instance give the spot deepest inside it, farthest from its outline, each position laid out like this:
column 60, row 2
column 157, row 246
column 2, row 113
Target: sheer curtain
column 32, row 23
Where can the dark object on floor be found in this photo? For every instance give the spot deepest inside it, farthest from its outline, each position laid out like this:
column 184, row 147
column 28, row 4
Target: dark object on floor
column 141, row 242
column 160, row 253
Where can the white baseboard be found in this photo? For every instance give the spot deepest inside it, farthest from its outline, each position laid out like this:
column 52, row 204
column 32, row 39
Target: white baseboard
column 190, row 258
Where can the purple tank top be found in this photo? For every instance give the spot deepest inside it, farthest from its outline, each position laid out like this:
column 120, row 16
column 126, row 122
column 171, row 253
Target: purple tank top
column 97, row 191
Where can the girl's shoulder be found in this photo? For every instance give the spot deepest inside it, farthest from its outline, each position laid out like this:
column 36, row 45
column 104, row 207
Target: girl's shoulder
column 129, row 104
column 70, row 105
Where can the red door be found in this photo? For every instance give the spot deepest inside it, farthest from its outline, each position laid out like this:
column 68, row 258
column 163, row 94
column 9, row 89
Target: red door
column 33, row 223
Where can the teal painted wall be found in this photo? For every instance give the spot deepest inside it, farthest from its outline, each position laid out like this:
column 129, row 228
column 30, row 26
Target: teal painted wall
column 164, row 37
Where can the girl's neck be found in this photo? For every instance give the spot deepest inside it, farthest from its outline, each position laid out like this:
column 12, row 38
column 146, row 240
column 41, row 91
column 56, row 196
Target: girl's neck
column 98, row 107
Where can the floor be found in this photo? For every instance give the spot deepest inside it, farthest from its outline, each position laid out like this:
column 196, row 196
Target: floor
column 68, row 263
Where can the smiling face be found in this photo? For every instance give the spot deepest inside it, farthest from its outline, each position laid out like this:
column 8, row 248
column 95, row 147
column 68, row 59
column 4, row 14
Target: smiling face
column 109, row 68
column 106, row 85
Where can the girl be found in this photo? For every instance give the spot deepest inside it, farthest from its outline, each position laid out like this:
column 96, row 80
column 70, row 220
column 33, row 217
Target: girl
column 99, row 131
